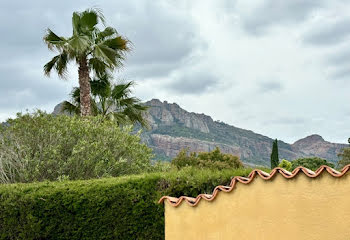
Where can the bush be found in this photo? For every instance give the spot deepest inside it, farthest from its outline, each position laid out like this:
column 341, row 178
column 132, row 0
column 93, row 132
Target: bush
column 110, row 208
column 286, row 165
column 39, row 146
column 312, row 163
column 344, row 157
column 211, row 160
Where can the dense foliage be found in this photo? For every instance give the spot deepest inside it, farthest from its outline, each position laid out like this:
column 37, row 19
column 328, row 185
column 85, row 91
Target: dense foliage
column 213, row 160
column 286, row 165
column 344, row 157
column 312, row 163
column 274, row 155
column 109, row 208
column 39, row 146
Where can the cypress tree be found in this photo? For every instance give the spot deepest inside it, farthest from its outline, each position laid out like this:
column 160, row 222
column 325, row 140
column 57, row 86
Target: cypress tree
column 274, row 155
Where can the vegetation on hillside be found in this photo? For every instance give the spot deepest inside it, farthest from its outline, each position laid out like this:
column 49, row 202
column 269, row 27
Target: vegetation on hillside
column 212, row 160
column 92, row 49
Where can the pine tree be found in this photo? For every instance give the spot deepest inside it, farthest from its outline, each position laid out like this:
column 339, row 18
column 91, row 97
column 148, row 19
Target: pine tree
column 274, row 155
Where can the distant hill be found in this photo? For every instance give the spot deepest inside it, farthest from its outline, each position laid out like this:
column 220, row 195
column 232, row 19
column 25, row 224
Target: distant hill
column 173, row 128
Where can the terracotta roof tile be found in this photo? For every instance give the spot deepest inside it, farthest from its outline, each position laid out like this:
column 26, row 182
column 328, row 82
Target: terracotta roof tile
column 256, row 172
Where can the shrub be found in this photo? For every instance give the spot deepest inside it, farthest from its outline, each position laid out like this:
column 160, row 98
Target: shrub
column 110, row 208
column 212, row 160
column 39, row 146
column 286, row 165
column 312, row 163
column 344, row 157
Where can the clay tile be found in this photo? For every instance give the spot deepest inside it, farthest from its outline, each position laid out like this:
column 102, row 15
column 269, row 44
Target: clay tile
column 334, row 171
column 286, row 172
column 309, row 171
column 172, row 199
column 265, row 174
column 209, row 197
column 190, row 199
column 244, row 179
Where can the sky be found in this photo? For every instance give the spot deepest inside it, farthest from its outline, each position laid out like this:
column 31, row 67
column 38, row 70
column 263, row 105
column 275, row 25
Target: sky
column 278, row 68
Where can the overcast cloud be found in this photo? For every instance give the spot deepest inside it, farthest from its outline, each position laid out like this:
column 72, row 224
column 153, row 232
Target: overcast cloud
column 279, row 68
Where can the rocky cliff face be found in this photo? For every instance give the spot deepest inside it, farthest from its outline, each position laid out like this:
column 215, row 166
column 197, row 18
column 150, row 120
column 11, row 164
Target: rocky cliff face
column 165, row 114
column 173, row 128
column 170, row 146
column 315, row 145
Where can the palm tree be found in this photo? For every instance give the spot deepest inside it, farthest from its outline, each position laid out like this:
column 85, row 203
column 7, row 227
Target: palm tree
column 92, row 50
column 112, row 101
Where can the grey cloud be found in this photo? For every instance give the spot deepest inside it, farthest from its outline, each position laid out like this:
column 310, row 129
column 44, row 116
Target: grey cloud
column 286, row 121
column 339, row 64
column 341, row 73
column 161, row 39
column 269, row 86
column 21, row 89
column 329, row 34
column 193, row 83
column 151, row 70
column 339, row 57
column 273, row 12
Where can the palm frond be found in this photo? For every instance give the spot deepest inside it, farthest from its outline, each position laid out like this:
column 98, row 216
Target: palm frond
column 79, row 44
column 89, row 19
column 107, row 55
column 76, row 23
column 49, row 66
column 95, row 110
column 101, row 86
column 85, row 22
column 75, row 95
column 59, row 63
column 97, row 66
column 121, row 91
column 100, row 16
column 71, row 108
column 118, row 43
column 119, row 117
column 53, row 41
column 135, row 115
column 106, row 34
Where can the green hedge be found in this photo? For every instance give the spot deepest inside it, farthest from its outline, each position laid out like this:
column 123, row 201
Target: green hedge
column 110, row 208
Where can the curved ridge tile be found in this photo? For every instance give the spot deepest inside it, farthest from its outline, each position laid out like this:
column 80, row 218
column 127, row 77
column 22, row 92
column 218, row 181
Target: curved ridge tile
column 173, row 201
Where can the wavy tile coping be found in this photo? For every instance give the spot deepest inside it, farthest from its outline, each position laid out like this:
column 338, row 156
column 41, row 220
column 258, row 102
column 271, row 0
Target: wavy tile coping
column 256, row 172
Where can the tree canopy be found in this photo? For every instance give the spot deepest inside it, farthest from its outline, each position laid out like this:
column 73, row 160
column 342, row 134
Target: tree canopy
column 92, row 49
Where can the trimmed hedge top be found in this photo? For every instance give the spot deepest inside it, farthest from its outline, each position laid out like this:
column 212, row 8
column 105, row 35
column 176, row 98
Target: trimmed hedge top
column 110, row 208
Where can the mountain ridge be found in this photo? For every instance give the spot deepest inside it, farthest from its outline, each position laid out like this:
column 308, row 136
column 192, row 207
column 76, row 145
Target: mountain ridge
column 173, row 128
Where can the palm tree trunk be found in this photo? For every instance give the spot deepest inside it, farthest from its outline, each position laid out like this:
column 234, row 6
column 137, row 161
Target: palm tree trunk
column 84, row 84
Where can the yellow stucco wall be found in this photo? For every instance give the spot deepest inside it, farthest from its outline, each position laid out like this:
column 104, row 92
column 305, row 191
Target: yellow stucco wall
column 298, row 208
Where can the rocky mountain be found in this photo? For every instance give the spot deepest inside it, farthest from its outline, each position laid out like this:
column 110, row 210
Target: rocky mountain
column 173, row 128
